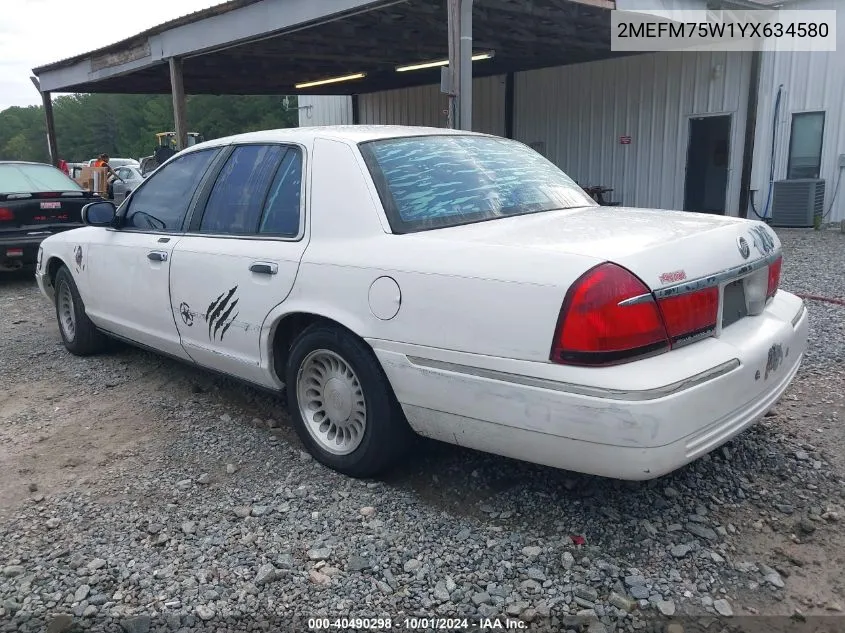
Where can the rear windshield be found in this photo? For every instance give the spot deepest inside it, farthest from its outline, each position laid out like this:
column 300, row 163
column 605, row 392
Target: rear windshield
column 23, row 178
column 429, row 182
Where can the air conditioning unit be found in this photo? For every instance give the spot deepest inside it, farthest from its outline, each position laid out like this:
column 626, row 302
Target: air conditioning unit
column 796, row 203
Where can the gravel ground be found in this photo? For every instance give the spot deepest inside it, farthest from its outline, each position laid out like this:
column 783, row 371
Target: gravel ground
column 139, row 494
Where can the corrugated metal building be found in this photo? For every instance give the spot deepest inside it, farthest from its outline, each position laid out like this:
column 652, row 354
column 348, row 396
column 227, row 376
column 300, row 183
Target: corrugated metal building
column 664, row 130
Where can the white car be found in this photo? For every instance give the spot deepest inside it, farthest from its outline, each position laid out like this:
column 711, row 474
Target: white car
column 128, row 178
column 458, row 285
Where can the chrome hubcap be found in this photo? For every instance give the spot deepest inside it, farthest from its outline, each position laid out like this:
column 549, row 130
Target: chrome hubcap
column 67, row 316
column 331, row 402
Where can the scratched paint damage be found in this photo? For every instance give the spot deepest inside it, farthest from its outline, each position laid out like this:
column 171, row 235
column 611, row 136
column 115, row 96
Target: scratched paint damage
column 544, row 414
column 78, row 258
column 774, row 360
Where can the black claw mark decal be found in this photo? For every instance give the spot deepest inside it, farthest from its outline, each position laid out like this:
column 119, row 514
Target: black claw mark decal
column 219, row 314
column 187, row 315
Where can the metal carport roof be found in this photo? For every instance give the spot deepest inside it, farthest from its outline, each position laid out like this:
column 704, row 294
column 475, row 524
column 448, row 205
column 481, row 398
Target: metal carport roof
column 269, row 46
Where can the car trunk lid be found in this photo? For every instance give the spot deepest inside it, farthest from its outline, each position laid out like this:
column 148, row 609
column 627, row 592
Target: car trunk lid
column 693, row 265
column 42, row 212
column 663, row 248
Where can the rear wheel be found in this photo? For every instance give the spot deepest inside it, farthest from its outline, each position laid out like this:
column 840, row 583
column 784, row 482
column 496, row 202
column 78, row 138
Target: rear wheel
column 342, row 405
column 79, row 334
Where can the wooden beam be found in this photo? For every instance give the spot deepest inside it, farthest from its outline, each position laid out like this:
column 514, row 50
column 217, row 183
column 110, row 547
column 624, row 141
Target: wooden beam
column 177, row 87
column 600, row 4
column 51, row 128
column 47, row 103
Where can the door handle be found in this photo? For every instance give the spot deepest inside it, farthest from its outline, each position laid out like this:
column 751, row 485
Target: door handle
column 264, row 268
column 157, row 256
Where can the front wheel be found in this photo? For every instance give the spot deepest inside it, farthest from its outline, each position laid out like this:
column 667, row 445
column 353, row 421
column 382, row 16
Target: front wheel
column 80, row 336
column 342, row 405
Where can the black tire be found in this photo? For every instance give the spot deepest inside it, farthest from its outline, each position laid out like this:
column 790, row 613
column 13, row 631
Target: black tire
column 386, row 436
column 85, row 339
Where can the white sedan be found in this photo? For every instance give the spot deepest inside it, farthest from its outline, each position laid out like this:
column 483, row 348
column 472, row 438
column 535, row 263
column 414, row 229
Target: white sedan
column 452, row 284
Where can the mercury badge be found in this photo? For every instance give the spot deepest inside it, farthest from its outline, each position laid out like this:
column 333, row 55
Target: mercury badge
column 744, row 248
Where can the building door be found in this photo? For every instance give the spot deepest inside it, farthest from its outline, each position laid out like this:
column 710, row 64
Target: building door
column 708, row 157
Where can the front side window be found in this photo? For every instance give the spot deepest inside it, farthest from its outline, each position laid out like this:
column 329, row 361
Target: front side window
column 162, row 202
column 430, row 182
column 237, row 199
column 805, row 145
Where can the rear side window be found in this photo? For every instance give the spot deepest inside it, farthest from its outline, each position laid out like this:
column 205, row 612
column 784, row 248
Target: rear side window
column 282, row 211
column 237, row 199
column 429, row 182
column 162, row 202
column 23, row 178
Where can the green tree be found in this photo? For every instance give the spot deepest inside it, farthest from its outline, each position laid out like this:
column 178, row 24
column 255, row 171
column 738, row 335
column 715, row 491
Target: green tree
column 125, row 125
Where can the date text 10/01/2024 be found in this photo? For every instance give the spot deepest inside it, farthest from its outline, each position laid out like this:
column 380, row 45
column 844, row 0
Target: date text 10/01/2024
column 415, row 624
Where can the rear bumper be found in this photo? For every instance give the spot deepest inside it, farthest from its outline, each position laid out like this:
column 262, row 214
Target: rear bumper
column 19, row 249
column 601, row 429
column 22, row 248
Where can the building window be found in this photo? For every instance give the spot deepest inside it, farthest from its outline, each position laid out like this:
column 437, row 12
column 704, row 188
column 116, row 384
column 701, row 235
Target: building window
column 805, row 145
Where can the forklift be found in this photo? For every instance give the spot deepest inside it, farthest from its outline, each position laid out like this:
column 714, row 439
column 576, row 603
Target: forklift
column 165, row 148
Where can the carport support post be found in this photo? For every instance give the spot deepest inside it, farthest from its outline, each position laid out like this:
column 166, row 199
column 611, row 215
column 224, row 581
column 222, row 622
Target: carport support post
column 47, row 101
column 178, row 89
column 465, row 73
column 460, row 63
column 453, row 10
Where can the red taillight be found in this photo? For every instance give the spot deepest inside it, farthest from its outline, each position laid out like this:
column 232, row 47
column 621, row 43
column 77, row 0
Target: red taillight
column 6, row 215
column 608, row 316
column 774, row 277
column 690, row 315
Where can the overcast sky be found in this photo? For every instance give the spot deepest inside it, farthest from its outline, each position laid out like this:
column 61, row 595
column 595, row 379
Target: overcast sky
column 39, row 32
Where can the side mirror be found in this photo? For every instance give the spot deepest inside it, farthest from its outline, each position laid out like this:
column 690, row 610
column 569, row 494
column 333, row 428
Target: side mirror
column 100, row 213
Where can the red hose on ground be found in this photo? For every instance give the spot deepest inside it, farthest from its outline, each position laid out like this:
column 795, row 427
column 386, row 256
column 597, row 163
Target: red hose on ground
column 839, row 302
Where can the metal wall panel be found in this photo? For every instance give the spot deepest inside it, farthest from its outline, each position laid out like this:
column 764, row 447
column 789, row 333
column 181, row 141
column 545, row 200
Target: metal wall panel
column 325, row 110
column 579, row 113
column 427, row 106
column 811, row 82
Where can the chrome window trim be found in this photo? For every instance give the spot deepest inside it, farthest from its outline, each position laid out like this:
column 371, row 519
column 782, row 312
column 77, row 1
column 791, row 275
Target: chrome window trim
column 636, row 395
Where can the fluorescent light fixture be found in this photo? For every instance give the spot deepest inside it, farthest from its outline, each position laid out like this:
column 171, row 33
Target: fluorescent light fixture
column 333, row 80
column 443, row 62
